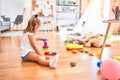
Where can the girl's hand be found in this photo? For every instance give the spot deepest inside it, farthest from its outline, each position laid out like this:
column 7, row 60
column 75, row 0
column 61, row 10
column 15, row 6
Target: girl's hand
column 42, row 54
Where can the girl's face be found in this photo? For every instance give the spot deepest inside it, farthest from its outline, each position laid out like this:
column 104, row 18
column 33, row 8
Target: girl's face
column 37, row 28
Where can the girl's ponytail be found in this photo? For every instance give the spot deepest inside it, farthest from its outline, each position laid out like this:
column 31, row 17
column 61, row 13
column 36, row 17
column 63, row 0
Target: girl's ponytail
column 36, row 15
column 32, row 23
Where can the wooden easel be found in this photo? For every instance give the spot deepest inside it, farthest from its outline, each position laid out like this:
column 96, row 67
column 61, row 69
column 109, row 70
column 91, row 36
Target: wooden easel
column 108, row 28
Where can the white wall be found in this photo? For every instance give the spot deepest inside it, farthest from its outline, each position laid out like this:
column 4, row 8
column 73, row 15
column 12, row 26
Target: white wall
column 12, row 8
column 27, row 12
column 0, row 6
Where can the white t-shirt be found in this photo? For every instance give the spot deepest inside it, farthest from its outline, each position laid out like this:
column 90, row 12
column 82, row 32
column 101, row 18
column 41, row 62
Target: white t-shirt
column 26, row 45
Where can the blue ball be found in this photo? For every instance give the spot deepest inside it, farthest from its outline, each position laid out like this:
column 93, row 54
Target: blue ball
column 99, row 64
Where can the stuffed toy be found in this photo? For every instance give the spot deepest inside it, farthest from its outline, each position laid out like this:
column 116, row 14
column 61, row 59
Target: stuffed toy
column 89, row 40
column 95, row 41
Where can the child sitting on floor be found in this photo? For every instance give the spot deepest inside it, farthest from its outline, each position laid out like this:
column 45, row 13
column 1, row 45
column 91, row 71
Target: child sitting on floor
column 29, row 48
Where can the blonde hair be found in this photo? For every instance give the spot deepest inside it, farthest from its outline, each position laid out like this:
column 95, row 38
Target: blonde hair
column 32, row 24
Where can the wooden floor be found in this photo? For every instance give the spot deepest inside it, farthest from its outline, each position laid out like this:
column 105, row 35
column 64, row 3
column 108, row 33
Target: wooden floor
column 12, row 68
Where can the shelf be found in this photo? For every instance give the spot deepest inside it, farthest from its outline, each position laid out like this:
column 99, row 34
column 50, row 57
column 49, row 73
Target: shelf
column 65, row 19
column 65, row 12
column 66, row 5
column 112, row 21
column 45, row 16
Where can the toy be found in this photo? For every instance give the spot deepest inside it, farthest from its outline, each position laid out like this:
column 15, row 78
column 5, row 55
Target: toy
column 74, row 51
column 72, row 64
column 74, row 46
column 88, row 52
column 54, row 53
column 46, row 49
column 89, row 40
column 110, row 69
column 66, row 41
column 45, row 40
column 95, row 41
column 99, row 53
column 91, row 54
column 99, row 64
column 117, row 58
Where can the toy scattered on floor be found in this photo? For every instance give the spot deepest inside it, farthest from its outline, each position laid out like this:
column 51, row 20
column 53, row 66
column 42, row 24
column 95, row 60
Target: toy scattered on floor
column 90, row 40
column 74, row 46
column 98, row 53
column 73, row 64
column 99, row 64
column 110, row 69
column 54, row 53
column 95, row 41
column 66, row 41
column 74, row 51
column 86, row 51
column 89, row 52
column 117, row 58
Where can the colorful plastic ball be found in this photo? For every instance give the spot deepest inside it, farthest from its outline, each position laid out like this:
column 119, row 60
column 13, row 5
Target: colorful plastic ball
column 99, row 64
column 110, row 69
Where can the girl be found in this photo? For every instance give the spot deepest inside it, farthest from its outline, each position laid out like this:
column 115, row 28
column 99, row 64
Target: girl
column 29, row 49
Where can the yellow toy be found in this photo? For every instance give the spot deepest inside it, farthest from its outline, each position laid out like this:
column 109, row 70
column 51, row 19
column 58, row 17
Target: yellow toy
column 117, row 58
column 74, row 46
column 98, row 53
